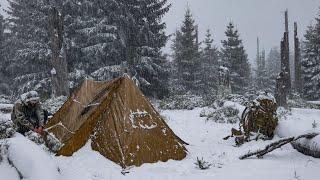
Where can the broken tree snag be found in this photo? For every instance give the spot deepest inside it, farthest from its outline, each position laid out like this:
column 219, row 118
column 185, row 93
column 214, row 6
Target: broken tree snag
column 285, row 64
column 275, row 145
column 297, row 61
column 59, row 71
column 280, row 92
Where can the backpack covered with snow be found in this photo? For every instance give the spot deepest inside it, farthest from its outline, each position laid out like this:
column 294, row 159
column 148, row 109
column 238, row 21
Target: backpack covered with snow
column 260, row 116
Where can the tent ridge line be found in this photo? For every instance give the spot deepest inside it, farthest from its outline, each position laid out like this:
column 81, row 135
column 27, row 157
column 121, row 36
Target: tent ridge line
column 116, row 85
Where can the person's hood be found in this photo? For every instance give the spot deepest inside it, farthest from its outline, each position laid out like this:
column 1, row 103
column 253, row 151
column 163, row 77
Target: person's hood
column 29, row 96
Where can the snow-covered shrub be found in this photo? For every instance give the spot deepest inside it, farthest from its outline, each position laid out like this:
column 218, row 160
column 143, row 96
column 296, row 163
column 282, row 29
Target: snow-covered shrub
column 225, row 114
column 39, row 82
column 48, row 140
column 5, row 99
column 238, row 99
column 3, row 150
column 202, row 164
column 52, row 143
column 314, row 124
column 295, row 101
column 186, row 101
column 108, row 73
column 7, row 129
column 76, row 77
column 209, row 99
column 282, row 113
column 34, row 137
column 53, row 105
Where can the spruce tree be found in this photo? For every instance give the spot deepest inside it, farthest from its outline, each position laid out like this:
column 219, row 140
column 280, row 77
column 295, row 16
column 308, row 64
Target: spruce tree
column 28, row 36
column 234, row 57
column 273, row 66
column 209, row 66
column 186, row 54
column 4, row 79
column 142, row 34
column 90, row 34
column 311, row 62
column 27, row 46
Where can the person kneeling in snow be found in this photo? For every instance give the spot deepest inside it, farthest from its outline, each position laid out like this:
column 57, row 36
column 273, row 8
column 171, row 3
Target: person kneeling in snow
column 27, row 113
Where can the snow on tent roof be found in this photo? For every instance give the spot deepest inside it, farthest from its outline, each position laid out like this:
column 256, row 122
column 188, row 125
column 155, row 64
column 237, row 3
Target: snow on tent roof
column 121, row 123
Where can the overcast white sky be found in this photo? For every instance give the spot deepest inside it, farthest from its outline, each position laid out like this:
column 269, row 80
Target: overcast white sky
column 263, row 18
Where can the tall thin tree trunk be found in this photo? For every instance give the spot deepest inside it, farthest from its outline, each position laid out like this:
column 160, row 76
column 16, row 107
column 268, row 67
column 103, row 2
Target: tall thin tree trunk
column 59, row 72
column 283, row 83
column 297, row 60
column 285, row 61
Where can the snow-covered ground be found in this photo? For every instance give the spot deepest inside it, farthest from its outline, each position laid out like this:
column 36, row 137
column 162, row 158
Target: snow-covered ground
column 205, row 139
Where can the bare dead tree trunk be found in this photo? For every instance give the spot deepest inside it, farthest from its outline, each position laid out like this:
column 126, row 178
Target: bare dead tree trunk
column 59, row 72
column 280, row 91
column 285, row 61
column 283, row 82
column 297, row 60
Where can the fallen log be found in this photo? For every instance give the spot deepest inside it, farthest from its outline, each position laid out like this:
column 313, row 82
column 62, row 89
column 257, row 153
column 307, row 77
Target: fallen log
column 275, row 145
column 309, row 147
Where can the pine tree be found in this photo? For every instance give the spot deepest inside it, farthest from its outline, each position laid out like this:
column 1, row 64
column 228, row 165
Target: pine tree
column 235, row 59
column 4, row 89
column 90, row 34
column 209, row 66
column 311, row 62
column 27, row 46
column 273, row 66
column 28, row 36
column 142, row 33
column 263, row 80
column 186, row 54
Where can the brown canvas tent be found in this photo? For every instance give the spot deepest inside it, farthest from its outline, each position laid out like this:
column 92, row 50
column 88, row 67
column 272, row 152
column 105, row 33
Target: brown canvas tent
column 121, row 123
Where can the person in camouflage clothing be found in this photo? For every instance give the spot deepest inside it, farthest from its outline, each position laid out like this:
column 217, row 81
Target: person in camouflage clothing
column 27, row 113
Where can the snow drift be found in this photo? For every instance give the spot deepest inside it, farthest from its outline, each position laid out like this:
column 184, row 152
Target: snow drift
column 31, row 161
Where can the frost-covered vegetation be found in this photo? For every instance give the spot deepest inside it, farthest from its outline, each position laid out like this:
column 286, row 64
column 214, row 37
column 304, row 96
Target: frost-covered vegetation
column 201, row 87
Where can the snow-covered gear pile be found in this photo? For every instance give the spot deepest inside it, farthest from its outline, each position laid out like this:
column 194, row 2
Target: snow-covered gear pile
column 258, row 120
column 260, row 116
column 121, row 123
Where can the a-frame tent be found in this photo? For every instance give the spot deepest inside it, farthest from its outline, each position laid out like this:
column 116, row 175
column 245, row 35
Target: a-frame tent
column 122, row 124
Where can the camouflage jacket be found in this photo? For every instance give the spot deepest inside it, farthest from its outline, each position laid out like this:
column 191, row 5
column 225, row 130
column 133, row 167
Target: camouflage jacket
column 27, row 117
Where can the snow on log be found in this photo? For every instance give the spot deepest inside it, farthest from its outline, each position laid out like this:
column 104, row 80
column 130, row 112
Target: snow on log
column 275, row 145
column 31, row 161
column 310, row 147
